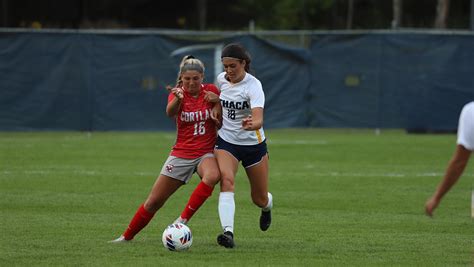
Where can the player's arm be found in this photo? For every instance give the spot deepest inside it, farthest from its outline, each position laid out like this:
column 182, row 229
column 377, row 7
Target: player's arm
column 254, row 121
column 211, row 97
column 216, row 114
column 172, row 108
column 454, row 170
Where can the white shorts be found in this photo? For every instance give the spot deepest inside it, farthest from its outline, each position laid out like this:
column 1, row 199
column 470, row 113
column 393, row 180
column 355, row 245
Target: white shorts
column 182, row 169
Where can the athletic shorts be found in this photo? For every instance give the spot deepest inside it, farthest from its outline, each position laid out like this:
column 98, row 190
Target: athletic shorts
column 249, row 155
column 182, row 169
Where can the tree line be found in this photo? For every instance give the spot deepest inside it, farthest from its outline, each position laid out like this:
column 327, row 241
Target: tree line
column 239, row 15
column 347, row 14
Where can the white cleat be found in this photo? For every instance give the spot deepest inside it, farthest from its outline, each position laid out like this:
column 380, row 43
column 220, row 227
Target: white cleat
column 121, row 239
column 180, row 220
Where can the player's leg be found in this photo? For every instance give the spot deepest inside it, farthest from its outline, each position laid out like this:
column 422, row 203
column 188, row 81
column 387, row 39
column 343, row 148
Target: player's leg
column 228, row 165
column 209, row 172
column 258, row 178
column 163, row 188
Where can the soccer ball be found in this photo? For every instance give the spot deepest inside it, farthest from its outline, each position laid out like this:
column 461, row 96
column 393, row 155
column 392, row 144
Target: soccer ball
column 177, row 237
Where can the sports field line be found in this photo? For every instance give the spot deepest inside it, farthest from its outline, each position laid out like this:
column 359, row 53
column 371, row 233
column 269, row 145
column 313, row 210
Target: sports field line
column 148, row 174
column 298, row 142
column 375, row 174
column 77, row 172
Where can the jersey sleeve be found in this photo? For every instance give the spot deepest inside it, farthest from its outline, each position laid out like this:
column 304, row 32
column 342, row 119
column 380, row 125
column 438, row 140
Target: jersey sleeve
column 211, row 87
column 171, row 97
column 220, row 79
column 466, row 127
column 256, row 95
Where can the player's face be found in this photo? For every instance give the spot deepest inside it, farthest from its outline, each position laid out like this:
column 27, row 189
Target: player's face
column 234, row 68
column 192, row 81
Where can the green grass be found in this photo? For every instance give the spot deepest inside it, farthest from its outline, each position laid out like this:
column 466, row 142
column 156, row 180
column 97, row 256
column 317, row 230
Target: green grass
column 342, row 197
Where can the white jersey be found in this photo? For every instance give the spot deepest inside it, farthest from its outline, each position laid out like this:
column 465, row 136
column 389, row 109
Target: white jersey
column 237, row 102
column 466, row 127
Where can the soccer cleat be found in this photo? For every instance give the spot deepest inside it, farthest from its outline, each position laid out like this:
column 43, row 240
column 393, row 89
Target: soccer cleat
column 265, row 220
column 226, row 239
column 181, row 220
column 121, row 239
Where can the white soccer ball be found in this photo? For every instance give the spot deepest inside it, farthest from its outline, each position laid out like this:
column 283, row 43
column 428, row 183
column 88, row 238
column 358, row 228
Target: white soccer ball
column 177, row 237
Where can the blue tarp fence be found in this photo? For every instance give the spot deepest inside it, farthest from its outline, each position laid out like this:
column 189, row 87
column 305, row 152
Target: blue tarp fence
column 116, row 81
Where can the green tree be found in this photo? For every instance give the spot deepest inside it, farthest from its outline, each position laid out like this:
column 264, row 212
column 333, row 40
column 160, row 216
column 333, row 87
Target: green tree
column 284, row 14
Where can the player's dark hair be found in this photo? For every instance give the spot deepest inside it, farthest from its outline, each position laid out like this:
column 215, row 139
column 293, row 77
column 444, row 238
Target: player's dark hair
column 238, row 51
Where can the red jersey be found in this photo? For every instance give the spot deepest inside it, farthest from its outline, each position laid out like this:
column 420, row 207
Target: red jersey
column 196, row 131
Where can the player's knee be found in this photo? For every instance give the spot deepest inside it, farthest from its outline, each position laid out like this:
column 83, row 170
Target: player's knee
column 212, row 177
column 227, row 183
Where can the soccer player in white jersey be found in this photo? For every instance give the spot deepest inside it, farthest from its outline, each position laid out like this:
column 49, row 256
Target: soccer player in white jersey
column 241, row 139
column 464, row 148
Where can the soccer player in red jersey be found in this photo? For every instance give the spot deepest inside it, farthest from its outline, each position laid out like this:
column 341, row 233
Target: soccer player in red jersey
column 196, row 108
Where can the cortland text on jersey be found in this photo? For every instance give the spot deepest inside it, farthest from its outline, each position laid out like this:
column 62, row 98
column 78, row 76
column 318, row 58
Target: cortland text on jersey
column 200, row 115
column 235, row 105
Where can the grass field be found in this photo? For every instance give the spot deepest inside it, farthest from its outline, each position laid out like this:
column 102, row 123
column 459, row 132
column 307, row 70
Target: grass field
column 341, row 197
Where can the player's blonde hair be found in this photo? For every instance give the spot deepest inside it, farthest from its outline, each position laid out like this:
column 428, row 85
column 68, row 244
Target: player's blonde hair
column 189, row 62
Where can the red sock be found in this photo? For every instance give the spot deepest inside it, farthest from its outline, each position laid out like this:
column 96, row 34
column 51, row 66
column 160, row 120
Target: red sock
column 199, row 195
column 140, row 220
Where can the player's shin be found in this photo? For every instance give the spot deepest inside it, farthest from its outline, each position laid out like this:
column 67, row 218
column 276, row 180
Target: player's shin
column 227, row 210
column 200, row 194
column 141, row 218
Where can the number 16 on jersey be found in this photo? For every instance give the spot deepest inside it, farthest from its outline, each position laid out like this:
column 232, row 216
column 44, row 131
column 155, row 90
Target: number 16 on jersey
column 199, row 128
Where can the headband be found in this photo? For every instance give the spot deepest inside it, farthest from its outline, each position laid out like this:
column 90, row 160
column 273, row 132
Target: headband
column 234, row 51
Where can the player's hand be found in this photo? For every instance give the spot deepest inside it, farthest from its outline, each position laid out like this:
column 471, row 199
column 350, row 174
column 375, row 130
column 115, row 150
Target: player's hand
column 211, row 97
column 247, row 123
column 178, row 92
column 217, row 118
column 430, row 206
